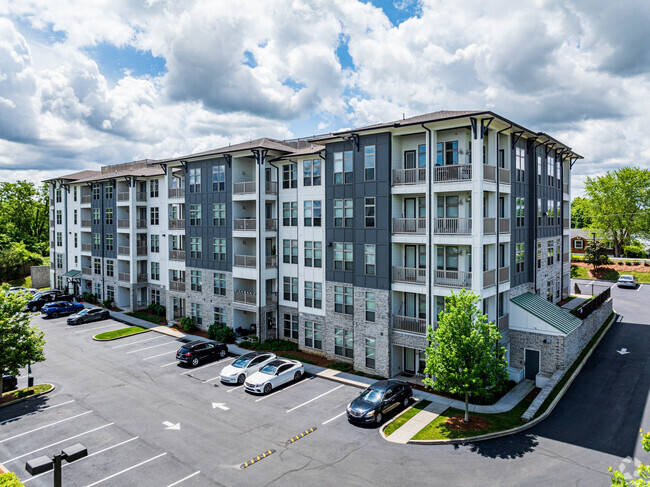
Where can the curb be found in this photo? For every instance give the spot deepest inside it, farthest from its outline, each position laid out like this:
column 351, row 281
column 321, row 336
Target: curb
column 534, row 421
column 28, row 397
column 381, row 430
column 118, row 338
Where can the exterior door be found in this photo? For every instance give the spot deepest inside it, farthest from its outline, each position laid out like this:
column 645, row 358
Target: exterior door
column 409, row 360
column 409, row 208
column 410, row 256
column 409, row 159
column 531, row 361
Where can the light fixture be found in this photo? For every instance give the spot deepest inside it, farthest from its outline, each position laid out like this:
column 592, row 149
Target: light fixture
column 45, row 464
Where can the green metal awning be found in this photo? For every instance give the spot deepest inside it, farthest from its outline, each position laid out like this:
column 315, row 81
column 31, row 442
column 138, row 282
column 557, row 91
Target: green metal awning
column 71, row 274
column 553, row 315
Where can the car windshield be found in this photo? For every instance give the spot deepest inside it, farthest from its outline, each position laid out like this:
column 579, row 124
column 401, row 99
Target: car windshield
column 626, row 278
column 372, row 396
column 269, row 369
column 83, row 312
column 242, row 362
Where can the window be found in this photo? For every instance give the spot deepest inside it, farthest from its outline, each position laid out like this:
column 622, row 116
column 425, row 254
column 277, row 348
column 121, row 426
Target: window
column 155, row 296
column 422, row 155
column 74, row 192
column 219, row 178
column 76, row 240
column 194, row 179
column 519, row 211
column 312, row 213
column 108, row 191
column 578, row 244
column 311, row 172
column 195, row 214
column 196, row 283
column 155, row 216
column 97, row 195
column 369, row 212
column 290, row 251
column 290, row 288
column 290, row 326
column 59, row 239
column 219, row 315
column 370, row 251
column 59, row 217
column 110, row 268
column 344, row 343
column 97, row 266
column 110, row 293
column 98, row 290
column 539, row 169
column 219, row 214
column 447, row 153
column 290, row 213
column 97, row 216
column 155, row 243
column 549, row 290
column 539, row 254
column 155, row 271
column 539, row 211
column 313, row 254
column 313, row 335
column 343, row 167
column 154, row 188
column 219, row 284
column 558, row 251
column 343, row 256
column 196, row 247
column 344, row 300
column 97, row 241
column 313, row 294
column 549, row 253
column 369, row 163
column 343, row 213
column 550, row 163
column 197, row 313
column 58, row 195
column 558, row 172
column 520, row 164
column 370, row 353
column 519, row 257
column 371, row 306
column 109, row 216
column 550, row 208
column 109, row 242
column 75, row 217
column 557, row 213
column 59, row 261
column 219, row 249
column 289, row 176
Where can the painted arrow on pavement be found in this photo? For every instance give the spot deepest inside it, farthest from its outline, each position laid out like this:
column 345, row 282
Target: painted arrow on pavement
column 220, row 405
column 622, row 351
column 171, row 426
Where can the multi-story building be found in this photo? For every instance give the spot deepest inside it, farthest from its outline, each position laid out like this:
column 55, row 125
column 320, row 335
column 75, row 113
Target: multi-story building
column 346, row 243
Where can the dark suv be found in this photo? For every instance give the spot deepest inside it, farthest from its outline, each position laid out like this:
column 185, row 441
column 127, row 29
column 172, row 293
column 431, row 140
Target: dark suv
column 378, row 400
column 193, row 352
column 9, row 383
column 43, row 297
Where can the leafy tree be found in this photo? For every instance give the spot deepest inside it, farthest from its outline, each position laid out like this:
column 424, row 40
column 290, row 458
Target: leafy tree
column 596, row 254
column 20, row 343
column 10, row 480
column 635, row 249
column 463, row 352
column 24, row 215
column 642, row 471
column 14, row 258
column 580, row 211
column 620, row 205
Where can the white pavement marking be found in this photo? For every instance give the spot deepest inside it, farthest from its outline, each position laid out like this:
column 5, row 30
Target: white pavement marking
column 335, row 417
column 46, row 426
column 170, row 363
column 281, row 390
column 34, row 412
column 235, row 388
column 147, row 348
column 126, row 470
column 97, row 328
column 52, row 444
column 139, row 341
column 317, row 397
column 160, row 355
column 184, row 479
column 220, row 405
column 88, row 456
column 637, row 289
column 199, row 368
column 217, row 377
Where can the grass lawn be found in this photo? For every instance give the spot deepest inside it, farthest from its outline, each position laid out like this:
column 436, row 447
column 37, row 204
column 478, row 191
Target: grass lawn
column 26, row 392
column 404, row 417
column 143, row 316
column 122, row 332
column 641, row 276
column 579, row 272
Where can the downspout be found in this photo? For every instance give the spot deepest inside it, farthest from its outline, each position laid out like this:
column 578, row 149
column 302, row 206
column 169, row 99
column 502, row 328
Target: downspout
column 498, row 219
column 431, row 310
column 277, row 249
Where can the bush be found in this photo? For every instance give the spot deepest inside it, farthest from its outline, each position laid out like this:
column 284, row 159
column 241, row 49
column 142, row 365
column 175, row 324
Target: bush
column 636, row 262
column 629, row 262
column 151, row 319
column 187, row 324
column 89, row 297
column 342, row 366
column 221, row 333
column 577, row 258
column 10, row 480
column 635, row 250
column 157, row 309
column 271, row 345
column 291, row 356
column 646, row 263
column 107, row 303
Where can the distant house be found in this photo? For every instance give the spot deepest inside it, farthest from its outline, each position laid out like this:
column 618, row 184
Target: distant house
column 579, row 240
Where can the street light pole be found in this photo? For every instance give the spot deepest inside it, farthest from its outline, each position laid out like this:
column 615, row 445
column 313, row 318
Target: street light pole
column 57, row 469
column 44, row 464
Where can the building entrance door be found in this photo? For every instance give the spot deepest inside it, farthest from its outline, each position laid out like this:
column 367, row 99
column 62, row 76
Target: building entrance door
column 409, row 361
column 531, row 361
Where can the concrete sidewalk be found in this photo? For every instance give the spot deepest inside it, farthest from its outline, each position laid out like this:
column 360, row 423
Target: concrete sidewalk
column 413, row 426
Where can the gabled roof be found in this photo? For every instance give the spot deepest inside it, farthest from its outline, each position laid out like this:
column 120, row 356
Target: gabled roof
column 548, row 312
column 427, row 117
column 75, row 176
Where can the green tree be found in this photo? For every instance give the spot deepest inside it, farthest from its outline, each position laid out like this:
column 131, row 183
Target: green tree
column 463, row 352
column 596, row 253
column 14, row 259
column 642, row 471
column 580, row 211
column 24, row 214
column 10, row 480
column 21, row 343
column 620, row 205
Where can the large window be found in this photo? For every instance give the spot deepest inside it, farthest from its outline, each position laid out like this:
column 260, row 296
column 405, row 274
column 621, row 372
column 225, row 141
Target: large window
column 343, row 256
column 97, row 266
column 539, row 254
column 155, row 243
column 76, row 240
column 312, row 172
column 155, row 296
column 110, row 268
column 155, row 271
column 196, row 281
column 219, row 315
column 97, row 241
column 313, row 254
column 155, row 216
column 219, row 214
column 314, row 335
column 370, row 353
column 370, row 254
column 290, row 251
column 422, row 155
column 539, row 211
column 194, row 179
column 290, row 287
column 550, row 163
column 519, row 212
column 219, row 284
column 344, row 300
column 369, row 212
column 343, row 167
column 520, row 164
column 290, row 213
column 549, row 253
column 557, row 213
column 59, row 217
column 59, row 262
column 109, row 242
column 290, row 328
column 109, row 216
column 371, row 306
column 219, row 250
column 110, row 293
column 519, row 257
column 313, row 294
column 550, row 209
column 195, row 214
column 447, row 153
column 219, row 178
column 369, row 163
column 74, row 192
column 97, row 216
column 344, row 342
column 58, row 195
column 97, row 195
column 539, row 169
column 75, row 217
column 196, row 247
column 197, row 313
column 312, row 213
column 289, row 176
column 108, row 191
column 154, row 188
column 343, row 213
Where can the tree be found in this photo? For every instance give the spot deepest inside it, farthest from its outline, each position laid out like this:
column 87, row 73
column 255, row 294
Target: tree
column 24, row 214
column 596, row 253
column 20, row 343
column 14, row 259
column 463, row 352
column 580, row 211
column 620, row 205
column 642, row 471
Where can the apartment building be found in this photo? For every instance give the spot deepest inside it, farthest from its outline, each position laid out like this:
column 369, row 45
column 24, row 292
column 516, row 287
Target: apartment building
column 346, row 243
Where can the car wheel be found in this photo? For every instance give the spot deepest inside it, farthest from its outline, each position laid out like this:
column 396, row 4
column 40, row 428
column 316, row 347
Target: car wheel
column 267, row 388
column 106, row 316
column 241, row 379
column 195, row 361
column 34, row 308
column 378, row 418
column 406, row 401
column 55, row 314
column 297, row 376
column 222, row 353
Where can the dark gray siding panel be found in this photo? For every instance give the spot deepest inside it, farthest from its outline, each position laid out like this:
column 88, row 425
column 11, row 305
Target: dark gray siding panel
column 102, row 228
column 525, row 234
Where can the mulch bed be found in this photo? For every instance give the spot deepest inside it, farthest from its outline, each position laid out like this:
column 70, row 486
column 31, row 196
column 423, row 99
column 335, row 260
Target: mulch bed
column 533, row 394
column 602, row 271
column 457, row 423
column 473, row 400
column 199, row 333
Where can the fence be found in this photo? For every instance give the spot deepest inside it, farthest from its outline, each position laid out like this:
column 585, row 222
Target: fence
column 592, row 305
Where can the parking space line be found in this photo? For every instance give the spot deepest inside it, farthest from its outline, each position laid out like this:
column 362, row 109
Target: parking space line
column 147, row 348
column 160, row 354
column 638, row 289
column 139, row 341
column 46, row 426
column 52, row 444
column 126, row 470
column 317, row 397
column 304, row 381
column 97, row 328
column 184, row 479
column 34, row 412
column 199, row 368
column 170, row 363
column 235, row 388
column 335, row 417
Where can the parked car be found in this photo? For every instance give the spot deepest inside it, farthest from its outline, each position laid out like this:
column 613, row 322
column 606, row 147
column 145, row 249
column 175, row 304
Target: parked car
column 49, row 296
column 627, row 280
column 274, row 374
column 16, row 289
column 87, row 315
column 244, row 366
column 379, row 399
column 60, row 308
column 193, row 352
column 9, row 383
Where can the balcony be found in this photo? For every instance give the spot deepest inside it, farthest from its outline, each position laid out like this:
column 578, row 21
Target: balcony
column 86, row 247
column 453, row 226
column 448, row 278
column 566, row 188
column 565, row 258
column 124, row 196
column 245, row 224
column 123, row 250
column 410, row 275
column 177, row 286
column 271, row 187
column 504, row 225
column 245, row 261
column 85, row 200
column 177, row 224
column 416, row 175
column 141, row 223
column 246, row 297
column 504, row 175
column 142, row 277
column 176, row 192
column 271, row 260
column 52, row 244
column 272, row 224
column 489, row 173
column 565, row 223
column 410, row 225
column 175, row 254
column 489, row 226
column 51, row 223
column 124, row 277
column 85, row 223
column 456, row 172
column 123, row 223
column 86, row 271
column 410, row 324
column 503, row 322
column 245, row 187
column 141, row 196
column 504, row 274
column 489, row 278
column 142, row 250
column 271, row 297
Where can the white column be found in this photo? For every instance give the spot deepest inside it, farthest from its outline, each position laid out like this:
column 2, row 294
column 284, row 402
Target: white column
column 477, row 211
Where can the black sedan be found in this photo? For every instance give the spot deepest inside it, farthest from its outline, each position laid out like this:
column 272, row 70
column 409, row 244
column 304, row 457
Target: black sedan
column 378, row 400
column 87, row 315
column 9, row 383
column 196, row 351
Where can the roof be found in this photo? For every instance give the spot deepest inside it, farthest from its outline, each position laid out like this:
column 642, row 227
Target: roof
column 307, row 151
column 72, row 273
column 427, row 117
column 548, row 312
column 76, row 175
column 579, row 233
column 263, row 143
column 124, row 171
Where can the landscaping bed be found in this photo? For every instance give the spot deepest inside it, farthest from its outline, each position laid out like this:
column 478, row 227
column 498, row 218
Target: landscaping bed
column 24, row 393
column 487, row 400
column 122, row 332
column 611, row 272
column 148, row 316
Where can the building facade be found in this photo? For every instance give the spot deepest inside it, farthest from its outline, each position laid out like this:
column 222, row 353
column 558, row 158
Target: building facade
column 347, row 244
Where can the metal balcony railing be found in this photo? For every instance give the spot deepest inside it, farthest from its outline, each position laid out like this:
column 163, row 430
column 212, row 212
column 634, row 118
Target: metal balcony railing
column 271, row 187
column 176, row 192
column 51, row 223
column 565, row 257
column 142, row 250
column 271, row 260
column 141, row 196
column 454, row 226
column 449, row 278
column 177, row 224
column 246, row 297
column 411, row 275
column 177, row 286
column 85, row 223
column 245, row 260
column 245, row 224
column 124, row 277
column 489, row 173
column 124, row 196
column 504, row 175
column 272, row 224
column 123, row 250
column 410, row 225
column 489, row 226
column 141, row 223
column 565, row 223
column 123, row 223
column 415, row 175
column 244, row 187
column 504, row 274
column 489, row 278
column 504, row 225
column 85, row 200
column 86, row 271
column 86, row 247
column 410, row 324
column 175, row 254
column 271, row 297
column 142, row 277
column 455, row 172
column 566, row 188
column 503, row 322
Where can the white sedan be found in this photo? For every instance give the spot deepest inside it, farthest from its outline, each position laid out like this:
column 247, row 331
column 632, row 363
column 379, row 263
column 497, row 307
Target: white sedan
column 627, row 280
column 274, row 374
column 245, row 365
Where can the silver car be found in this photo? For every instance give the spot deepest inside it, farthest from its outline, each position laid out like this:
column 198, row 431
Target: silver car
column 627, row 280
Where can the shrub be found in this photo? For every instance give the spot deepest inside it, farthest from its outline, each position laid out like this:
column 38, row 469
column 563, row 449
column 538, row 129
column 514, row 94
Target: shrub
column 221, row 333
column 646, row 263
column 187, row 324
column 89, row 297
column 107, row 303
column 636, row 262
column 629, row 262
column 342, row 366
column 10, row 480
column 272, row 345
column 577, row 258
column 151, row 319
column 157, row 309
column 292, row 356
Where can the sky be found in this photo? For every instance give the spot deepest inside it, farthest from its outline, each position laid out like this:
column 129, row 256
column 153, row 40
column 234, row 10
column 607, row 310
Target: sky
column 89, row 83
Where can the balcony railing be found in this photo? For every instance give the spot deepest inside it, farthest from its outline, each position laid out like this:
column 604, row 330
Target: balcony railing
column 175, row 254
column 141, row 223
column 176, row 192
column 52, row 244
column 271, row 260
column 85, row 223
column 123, row 223
column 124, row 196
column 244, row 187
column 489, row 173
column 51, row 223
column 245, row 260
column 504, row 175
column 86, row 271
column 489, row 278
column 504, row 274
column 409, row 275
column 271, row 297
column 565, row 223
column 410, row 225
column 565, row 257
column 271, row 187
column 245, row 224
column 123, row 250
column 246, row 297
column 86, row 247
column 142, row 250
column 504, row 225
column 566, row 188
column 454, row 226
column 124, row 276
column 142, row 277
column 410, row 324
column 141, row 196
column 447, row 278
column 415, row 175
column 272, row 224
column 177, row 286
column 455, row 172
column 489, row 226
column 503, row 322
column 177, row 224
column 85, row 200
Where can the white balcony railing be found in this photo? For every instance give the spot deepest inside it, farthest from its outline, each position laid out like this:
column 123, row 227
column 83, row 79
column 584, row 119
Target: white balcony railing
column 245, row 224
column 415, row 175
column 454, row 226
column 410, row 324
column 410, row 225
column 455, row 172
column 449, row 278
column 245, row 260
column 409, row 275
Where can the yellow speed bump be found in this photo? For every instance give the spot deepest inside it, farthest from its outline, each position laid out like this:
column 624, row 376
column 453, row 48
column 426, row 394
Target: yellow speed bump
column 301, row 435
column 259, row 457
